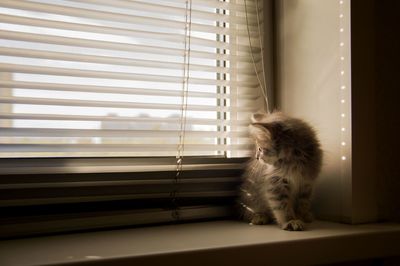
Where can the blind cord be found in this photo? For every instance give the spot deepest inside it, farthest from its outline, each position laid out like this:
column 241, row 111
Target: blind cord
column 184, row 96
column 263, row 89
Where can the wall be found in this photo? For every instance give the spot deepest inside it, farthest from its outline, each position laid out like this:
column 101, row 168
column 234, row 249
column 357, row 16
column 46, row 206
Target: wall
column 308, row 86
column 367, row 187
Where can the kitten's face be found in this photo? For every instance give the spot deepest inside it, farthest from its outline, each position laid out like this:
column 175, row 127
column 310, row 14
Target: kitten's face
column 267, row 153
column 266, row 149
column 273, row 139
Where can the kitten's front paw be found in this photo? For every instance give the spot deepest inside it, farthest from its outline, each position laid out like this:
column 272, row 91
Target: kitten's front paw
column 293, row 225
column 259, row 219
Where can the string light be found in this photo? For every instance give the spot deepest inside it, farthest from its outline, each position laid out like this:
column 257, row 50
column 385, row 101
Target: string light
column 343, row 46
column 246, row 193
column 247, row 207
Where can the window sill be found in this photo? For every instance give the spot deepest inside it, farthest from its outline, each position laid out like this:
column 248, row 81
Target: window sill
column 208, row 243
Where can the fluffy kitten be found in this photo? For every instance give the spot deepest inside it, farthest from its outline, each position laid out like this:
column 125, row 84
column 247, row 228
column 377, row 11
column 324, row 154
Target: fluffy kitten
column 278, row 182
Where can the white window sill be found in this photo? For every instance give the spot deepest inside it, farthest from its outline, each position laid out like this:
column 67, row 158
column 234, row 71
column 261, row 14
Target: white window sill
column 208, row 243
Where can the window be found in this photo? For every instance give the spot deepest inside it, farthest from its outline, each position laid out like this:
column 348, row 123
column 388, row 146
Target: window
column 85, row 78
column 94, row 105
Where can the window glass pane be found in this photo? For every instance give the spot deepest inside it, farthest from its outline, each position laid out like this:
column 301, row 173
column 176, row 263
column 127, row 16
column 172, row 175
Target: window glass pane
column 106, row 79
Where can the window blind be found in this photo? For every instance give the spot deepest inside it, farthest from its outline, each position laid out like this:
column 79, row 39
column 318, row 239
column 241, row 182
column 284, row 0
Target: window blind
column 104, row 78
column 95, row 193
column 95, row 96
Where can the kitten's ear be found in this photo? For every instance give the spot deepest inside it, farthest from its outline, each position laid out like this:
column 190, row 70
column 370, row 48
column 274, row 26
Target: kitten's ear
column 275, row 128
column 258, row 117
column 259, row 132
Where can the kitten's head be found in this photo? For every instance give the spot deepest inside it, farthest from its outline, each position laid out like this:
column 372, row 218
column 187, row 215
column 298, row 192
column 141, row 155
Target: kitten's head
column 279, row 138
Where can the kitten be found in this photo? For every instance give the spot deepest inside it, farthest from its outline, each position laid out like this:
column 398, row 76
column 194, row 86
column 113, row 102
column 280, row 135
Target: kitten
column 277, row 183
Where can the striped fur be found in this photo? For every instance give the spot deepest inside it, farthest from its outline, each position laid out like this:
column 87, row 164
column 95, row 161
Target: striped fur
column 278, row 182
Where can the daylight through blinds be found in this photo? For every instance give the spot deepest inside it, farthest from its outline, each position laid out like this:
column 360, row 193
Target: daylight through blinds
column 104, row 78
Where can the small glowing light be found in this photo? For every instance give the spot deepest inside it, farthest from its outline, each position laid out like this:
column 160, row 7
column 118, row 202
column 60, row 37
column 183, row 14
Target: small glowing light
column 343, row 115
column 343, row 129
column 342, row 44
column 343, row 158
column 341, row 16
column 341, row 29
column 246, row 207
column 342, row 101
column 343, row 87
column 343, row 143
column 341, row 2
column 342, row 58
column 342, row 72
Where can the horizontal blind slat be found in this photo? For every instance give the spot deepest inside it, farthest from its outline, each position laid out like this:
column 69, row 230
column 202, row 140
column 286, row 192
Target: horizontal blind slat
column 113, row 75
column 232, row 6
column 118, row 17
column 114, row 60
column 84, row 199
column 111, row 104
column 118, row 147
column 108, row 30
column 153, row 182
column 190, row 121
column 49, row 39
column 72, row 222
column 115, row 133
column 117, row 90
column 30, row 166
column 160, row 8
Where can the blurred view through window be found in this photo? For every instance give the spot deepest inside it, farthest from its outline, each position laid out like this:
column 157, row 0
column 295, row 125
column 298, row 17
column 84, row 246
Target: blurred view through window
column 104, row 78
